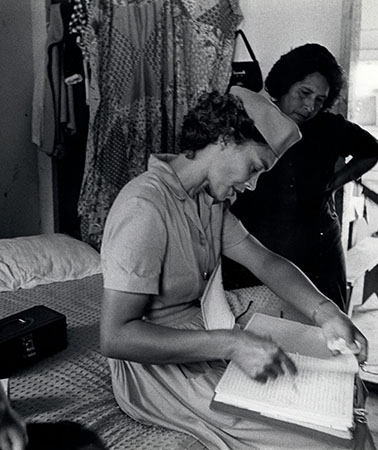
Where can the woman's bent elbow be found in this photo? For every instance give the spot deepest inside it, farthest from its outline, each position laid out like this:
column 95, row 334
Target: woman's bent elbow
column 106, row 347
column 108, row 344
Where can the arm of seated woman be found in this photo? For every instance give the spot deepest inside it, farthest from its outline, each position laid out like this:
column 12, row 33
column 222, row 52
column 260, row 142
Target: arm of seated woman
column 125, row 335
column 284, row 278
column 288, row 282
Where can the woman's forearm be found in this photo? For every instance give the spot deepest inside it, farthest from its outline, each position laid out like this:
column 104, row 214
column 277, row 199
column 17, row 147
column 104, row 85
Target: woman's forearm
column 145, row 342
column 293, row 286
column 352, row 171
column 281, row 276
column 126, row 335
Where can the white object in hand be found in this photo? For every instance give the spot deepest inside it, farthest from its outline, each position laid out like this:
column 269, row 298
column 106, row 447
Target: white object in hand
column 339, row 345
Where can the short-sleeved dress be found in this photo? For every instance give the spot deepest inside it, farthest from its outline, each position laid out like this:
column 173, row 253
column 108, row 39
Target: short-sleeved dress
column 161, row 242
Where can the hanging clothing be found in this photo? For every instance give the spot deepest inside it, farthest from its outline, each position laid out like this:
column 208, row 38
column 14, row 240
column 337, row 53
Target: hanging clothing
column 79, row 22
column 149, row 62
column 60, row 66
column 39, row 37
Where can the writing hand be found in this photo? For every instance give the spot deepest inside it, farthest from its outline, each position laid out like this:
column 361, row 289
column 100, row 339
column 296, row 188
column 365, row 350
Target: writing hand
column 261, row 358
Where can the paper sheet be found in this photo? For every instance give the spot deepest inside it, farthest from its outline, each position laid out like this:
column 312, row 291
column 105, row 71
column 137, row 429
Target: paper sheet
column 215, row 308
column 322, row 391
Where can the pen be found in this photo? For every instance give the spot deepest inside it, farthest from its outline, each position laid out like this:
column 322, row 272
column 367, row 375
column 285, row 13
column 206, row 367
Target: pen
column 293, row 381
column 292, row 376
column 340, row 346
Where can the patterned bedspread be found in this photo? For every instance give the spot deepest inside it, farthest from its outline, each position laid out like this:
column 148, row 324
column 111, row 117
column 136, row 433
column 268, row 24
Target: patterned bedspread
column 74, row 384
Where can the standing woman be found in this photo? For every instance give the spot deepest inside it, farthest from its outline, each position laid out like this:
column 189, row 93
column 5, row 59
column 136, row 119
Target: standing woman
column 292, row 211
column 163, row 238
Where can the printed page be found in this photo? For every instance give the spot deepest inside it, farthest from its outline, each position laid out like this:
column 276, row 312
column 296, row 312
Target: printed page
column 319, row 393
column 322, row 391
column 298, row 338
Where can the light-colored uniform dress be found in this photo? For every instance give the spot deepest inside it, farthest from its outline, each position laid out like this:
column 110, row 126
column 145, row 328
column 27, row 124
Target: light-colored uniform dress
column 160, row 241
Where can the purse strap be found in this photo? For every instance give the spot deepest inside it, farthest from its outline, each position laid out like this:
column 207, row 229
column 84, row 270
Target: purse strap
column 246, row 43
column 362, row 439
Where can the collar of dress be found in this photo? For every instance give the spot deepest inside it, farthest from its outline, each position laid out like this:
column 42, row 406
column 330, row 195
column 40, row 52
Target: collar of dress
column 160, row 164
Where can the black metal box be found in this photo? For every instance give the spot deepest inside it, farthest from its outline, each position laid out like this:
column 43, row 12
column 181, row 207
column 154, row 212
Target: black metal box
column 30, row 335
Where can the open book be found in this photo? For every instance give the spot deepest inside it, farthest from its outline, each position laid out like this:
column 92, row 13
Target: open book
column 319, row 397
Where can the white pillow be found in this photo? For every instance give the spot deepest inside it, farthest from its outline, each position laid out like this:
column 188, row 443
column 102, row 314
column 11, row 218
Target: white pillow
column 26, row 262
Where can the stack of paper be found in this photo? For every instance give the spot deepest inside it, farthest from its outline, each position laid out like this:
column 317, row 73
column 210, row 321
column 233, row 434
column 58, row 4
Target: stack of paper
column 319, row 397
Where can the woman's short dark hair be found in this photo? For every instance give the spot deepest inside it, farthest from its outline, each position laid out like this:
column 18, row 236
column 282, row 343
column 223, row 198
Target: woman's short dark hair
column 295, row 65
column 214, row 116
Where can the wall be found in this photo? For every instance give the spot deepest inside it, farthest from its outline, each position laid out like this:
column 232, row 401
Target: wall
column 369, row 30
column 19, row 189
column 273, row 27
column 364, row 108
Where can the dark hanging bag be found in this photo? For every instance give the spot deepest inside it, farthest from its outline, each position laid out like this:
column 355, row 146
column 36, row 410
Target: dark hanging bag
column 246, row 74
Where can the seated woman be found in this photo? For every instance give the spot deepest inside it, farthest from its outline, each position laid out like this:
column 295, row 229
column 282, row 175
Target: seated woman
column 163, row 237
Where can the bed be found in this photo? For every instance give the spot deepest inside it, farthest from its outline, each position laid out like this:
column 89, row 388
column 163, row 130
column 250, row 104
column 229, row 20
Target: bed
column 64, row 274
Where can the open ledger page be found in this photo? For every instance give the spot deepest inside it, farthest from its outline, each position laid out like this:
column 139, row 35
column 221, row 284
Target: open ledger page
column 320, row 394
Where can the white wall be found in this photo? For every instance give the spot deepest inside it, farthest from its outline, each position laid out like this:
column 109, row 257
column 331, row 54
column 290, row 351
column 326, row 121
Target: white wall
column 369, row 30
column 273, row 27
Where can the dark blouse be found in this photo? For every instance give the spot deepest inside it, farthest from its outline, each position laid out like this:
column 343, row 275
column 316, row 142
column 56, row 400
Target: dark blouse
column 289, row 211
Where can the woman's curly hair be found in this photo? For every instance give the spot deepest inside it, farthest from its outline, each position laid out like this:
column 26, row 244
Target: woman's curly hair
column 215, row 116
column 295, row 65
